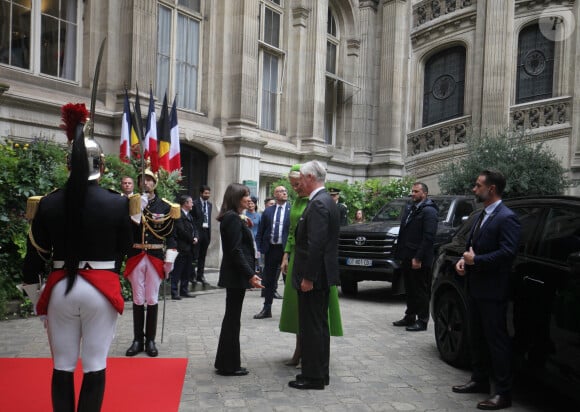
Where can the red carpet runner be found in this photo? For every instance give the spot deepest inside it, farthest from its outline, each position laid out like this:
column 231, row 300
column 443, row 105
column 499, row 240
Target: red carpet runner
column 137, row 384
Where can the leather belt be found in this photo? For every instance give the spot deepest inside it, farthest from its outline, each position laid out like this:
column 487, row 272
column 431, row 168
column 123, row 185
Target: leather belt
column 147, row 246
column 88, row 264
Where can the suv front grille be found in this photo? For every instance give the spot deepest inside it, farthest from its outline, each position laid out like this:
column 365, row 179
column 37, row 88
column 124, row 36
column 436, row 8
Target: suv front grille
column 375, row 246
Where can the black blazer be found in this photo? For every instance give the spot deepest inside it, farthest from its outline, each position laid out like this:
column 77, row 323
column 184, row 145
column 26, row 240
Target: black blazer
column 239, row 257
column 264, row 234
column 417, row 235
column 185, row 231
column 316, row 257
column 495, row 246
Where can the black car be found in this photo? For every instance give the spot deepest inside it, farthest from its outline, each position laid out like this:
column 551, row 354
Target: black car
column 544, row 314
column 366, row 251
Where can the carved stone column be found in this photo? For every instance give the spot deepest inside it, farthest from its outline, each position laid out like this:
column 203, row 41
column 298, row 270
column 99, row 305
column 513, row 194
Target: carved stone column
column 365, row 98
column 390, row 139
column 497, row 61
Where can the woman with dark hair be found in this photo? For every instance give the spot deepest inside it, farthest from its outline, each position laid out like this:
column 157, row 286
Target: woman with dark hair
column 237, row 273
column 253, row 214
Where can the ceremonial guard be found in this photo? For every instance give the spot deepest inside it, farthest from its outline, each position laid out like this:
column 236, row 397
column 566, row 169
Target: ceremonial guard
column 84, row 231
column 148, row 263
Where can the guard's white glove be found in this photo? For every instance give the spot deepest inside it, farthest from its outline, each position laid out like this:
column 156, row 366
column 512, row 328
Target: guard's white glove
column 170, row 256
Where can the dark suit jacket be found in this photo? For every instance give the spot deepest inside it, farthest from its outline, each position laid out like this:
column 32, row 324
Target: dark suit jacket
column 316, row 257
column 264, row 235
column 197, row 214
column 495, row 246
column 184, row 232
column 239, row 258
column 417, row 236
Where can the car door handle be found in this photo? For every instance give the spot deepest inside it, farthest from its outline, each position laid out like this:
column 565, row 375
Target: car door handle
column 531, row 279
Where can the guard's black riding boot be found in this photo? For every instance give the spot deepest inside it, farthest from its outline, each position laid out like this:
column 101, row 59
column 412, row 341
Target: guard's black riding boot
column 63, row 391
column 151, row 330
column 92, row 391
column 138, row 335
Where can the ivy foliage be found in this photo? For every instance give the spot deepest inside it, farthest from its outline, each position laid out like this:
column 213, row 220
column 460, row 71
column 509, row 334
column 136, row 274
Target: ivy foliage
column 531, row 169
column 36, row 169
column 369, row 195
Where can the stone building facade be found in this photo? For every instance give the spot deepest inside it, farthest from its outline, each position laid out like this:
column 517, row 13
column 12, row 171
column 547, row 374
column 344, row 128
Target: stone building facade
column 372, row 88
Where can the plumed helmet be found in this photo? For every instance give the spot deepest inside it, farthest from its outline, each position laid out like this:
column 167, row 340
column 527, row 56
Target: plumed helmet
column 76, row 124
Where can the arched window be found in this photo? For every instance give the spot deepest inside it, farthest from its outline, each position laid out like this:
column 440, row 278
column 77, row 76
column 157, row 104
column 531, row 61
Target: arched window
column 444, row 86
column 535, row 74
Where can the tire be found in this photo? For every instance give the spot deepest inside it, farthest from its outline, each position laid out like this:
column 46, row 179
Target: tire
column 451, row 329
column 348, row 286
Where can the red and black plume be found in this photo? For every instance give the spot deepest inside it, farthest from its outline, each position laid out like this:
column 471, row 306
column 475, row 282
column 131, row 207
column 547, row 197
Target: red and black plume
column 71, row 115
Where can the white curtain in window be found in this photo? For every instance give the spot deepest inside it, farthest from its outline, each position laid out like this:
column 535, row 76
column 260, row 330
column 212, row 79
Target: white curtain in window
column 269, row 91
column 187, row 61
column 163, row 51
column 69, row 48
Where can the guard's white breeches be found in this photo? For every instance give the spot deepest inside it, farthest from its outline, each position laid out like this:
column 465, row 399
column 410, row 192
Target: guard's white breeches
column 81, row 322
column 145, row 282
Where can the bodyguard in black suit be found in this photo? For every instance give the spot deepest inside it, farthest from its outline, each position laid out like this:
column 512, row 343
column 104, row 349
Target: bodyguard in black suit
column 201, row 213
column 186, row 238
column 490, row 251
column 271, row 245
column 415, row 250
column 237, row 273
column 315, row 270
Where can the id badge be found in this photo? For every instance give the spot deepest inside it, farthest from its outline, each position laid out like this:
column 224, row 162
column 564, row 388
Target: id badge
column 205, row 225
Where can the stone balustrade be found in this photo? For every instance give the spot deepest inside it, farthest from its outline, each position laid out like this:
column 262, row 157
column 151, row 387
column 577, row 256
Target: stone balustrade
column 429, row 10
column 538, row 114
column 438, row 136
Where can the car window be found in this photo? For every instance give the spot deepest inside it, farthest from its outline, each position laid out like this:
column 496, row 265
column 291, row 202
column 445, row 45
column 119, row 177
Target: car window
column 561, row 234
column 391, row 212
column 529, row 217
column 464, row 209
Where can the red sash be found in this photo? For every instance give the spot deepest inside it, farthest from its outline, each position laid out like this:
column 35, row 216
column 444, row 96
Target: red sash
column 133, row 261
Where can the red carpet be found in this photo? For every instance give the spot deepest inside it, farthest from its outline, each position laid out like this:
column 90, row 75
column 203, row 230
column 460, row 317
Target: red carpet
column 25, row 384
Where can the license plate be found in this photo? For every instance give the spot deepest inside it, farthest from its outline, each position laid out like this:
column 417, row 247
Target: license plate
column 359, row 262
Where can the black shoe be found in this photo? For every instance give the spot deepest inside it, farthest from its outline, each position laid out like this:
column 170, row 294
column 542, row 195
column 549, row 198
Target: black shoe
column 175, row 297
column 326, row 379
column 418, row 326
column 277, row 295
column 495, row 402
column 307, row 384
column 186, row 295
column 239, row 372
column 203, row 281
column 150, row 348
column 135, row 348
column 471, row 387
column 406, row 321
column 264, row 313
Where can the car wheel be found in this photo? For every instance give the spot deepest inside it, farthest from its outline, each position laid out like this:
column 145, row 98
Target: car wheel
column 451, row 334
column 348, row 286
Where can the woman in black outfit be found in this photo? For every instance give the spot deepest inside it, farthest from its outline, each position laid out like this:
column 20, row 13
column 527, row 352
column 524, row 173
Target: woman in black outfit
column 237, row 273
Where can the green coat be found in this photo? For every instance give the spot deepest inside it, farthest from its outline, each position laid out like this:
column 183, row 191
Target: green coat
column 289, row 315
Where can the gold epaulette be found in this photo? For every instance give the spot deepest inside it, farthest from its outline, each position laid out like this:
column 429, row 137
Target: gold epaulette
column 32, row 206
column 134, row 204
column 175, row 212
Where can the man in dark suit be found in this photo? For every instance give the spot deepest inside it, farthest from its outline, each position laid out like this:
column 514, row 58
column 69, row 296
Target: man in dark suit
column 315, row 270
column 415, row 250
column 201, row 213
column 186, row 238
column 271, row 241
column 490, row 251
column 342, row 209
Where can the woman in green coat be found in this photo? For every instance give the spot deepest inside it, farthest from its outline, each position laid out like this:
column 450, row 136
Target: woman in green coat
column 289, row 314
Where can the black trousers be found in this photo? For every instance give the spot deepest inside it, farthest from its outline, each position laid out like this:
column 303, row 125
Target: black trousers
column 491, row 354
column 314, row 334
column 202, row 246
column 228, row 352
column 181, row 273
column 417, row 289
column 271, row 273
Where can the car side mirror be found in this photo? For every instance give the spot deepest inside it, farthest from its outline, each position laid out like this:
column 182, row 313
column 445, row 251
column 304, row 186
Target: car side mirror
column 574, row 262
